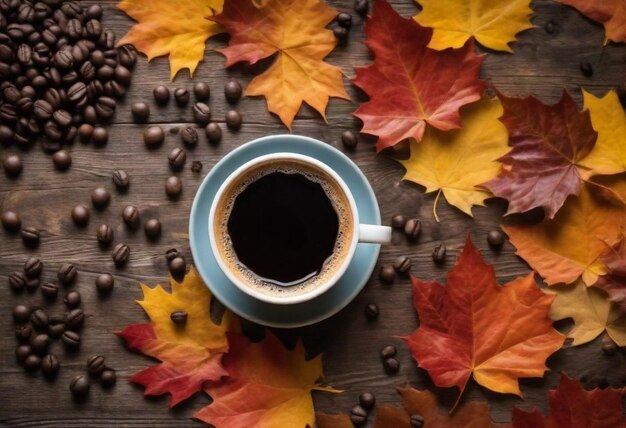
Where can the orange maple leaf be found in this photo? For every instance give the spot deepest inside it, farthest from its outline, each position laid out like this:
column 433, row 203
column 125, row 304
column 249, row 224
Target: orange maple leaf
column 333, row 421
column 474, row 326
column 610, row 13
column 294, row 31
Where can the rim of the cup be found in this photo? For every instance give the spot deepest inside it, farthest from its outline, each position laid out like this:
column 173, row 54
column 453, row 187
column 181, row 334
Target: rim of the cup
column 326, row 285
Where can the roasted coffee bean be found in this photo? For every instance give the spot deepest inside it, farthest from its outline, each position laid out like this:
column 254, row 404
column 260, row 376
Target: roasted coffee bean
column 79, row 387
column 121, row 180
column 371, row 311
column 95, row 88
column 6, row 135
column 233, row 119
column 22, row 352
column 152, row 228
column 181, row 96
column 72, row 299
column 586, row 69
column 62, row 118
column 388, row 352
column 361, row 7
column 201, row 113
column 33, row 267
column 232, row 91
column 23, row 333
column 495, row 239
column 105, row 235
column 26, row 107
column 339, row 32
column 196, row 167
column 30, row 236
column 189, row 136
column 202, row 91
column 391, row 365
column 161, row 94
column 11, row 94
column 213, row 133
column 412, row 229
column 177, row 158
column 12, row 165
column 171, row 254
column 153, row 136
column 358, row 415
column 67, row 274
column 140, row 111
column 387, row 273
column 100, row 197
column 21, row 313
column 80, row 53
column 122, row 75
column 80, row 215
column 173, row 186
column 108, row 378
column 97, row 58
column 50, row 365
column 127, row 56
column 416, row 421
column 40, row 344
column 105, row 108
column 62, row 160
column 39, row 319
column 52, row 131
column 100, row 136
column 17, row 281
column 32, row 363
column 93, row 12
column 402, row 264
column 609, row 347
column 349, row 140
column 71, row 339
column 77, row 93
column 367, row 400
column 177, row 266
column 74, row 29
column 85, row 131
column 63, row 59
column 88, row 72
column 179, row 317
column 120, row 254
column 93, row 29
column 345, row 20
column 104, row 283
column 106, row 72
column 49, row 290
column 32, row 284
column 8, row 113
column 439, row 253
column 75, row 319
column 130, row 214
column 398, row 221
column 95, row 365
column 11, row 221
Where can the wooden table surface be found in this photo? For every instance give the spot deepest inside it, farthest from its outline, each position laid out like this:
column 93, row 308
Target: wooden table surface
column 542, row 65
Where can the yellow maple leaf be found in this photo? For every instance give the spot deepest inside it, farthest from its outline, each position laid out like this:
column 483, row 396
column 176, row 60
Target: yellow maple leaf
column 493, row 23
column 609, row 120
column 294, row 31
column 456, row 162
column 175, row 28
column 592, row 312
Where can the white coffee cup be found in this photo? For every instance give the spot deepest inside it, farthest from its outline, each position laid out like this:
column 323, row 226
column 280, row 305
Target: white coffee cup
column 364, row 233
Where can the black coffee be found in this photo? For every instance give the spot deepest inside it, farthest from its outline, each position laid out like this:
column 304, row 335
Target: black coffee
column 283, row 227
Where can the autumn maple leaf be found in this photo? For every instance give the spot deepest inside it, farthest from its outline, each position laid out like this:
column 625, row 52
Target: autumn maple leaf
column 614, row 281
column 294, row 31
column 268, row 386
column 571, row 406
column 190, row 355
column 175, row 28
column 341, row 420
column 474, row 326
column 409, row 84
column 610, row 13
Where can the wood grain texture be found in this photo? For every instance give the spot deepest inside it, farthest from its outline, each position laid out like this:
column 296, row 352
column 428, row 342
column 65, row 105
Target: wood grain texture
column 541, row 65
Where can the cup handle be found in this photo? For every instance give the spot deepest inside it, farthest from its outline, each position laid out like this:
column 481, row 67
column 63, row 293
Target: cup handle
column 374, row 234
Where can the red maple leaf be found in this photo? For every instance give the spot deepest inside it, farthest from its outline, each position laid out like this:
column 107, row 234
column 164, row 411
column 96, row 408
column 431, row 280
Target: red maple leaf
column 614, row 282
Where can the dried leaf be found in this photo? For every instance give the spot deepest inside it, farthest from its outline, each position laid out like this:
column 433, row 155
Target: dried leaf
column 610, row 13
column 548, row 144
column 614, row 281
column 294, row 31
column 493, row 23
column 474, row 326
column 455, row 162
column 409, row 84
column 333, row 421
column 178, row 29
column 571, row 407
column 591, row 311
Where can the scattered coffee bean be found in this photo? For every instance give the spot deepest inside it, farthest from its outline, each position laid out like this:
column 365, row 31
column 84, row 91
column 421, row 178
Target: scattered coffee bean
column 358, row 415
column 32, row 284
column 21, row 313
column 104, row 284
column 232, row 91
column 32, row 363
column 178, row 317
column 67, row 274
column 439, row 253
column 213, row 133
column 17, row 281
column 108, row 378
column 23, row 333
column 130, row 214
column 388, row 352
column 367, row 400
column 72, row 299
column 202, row 91
column 412, row 229
column 173, row 186
column 609, row 347
column 495, row 239
column 100, row 197
column 62, row 160
column 57, row 329
column 402, row 264
column 33, row 267
column 339, row 32
column 80, row 215
column 391, row 365
column 171, row 254
column 201, row 113
column 85, row 132
column 344, row 19
column 22, row 352
column 39, row 319
column 189, row 136
column 95, row 365
column 153, row 136
column 371, row 311
column 349, row 139
column 387, row 273
column 181, row 96
column 11, row 221
column 50, row 365
column 12, row 164
column 177, row 158
column 49, row 290
column 30, row 236
column 120, row 254
column 177, row 267
column 361, row 7
column 121, row 180
column 140, row 112
column 161, row 94
column 75, row 319
column 196, row 167
column 105, row 235
column 152, row 228
column 79, row 387
column 71, row 339
column 586, row 69
column 40, row 344
column 551, row 27
column 416, row 421
column 100, row 136
column 233, row 119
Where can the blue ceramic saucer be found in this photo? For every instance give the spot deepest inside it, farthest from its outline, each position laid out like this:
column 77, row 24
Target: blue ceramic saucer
column 296, row 315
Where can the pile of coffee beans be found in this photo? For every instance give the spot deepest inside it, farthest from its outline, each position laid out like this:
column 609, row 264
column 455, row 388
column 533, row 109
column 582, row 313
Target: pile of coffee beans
column 359, row 413
column 60, row 73
column 341, row 25
column 96, row 368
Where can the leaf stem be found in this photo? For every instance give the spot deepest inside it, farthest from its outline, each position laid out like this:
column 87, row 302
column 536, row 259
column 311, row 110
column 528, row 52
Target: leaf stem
column 435, row 206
